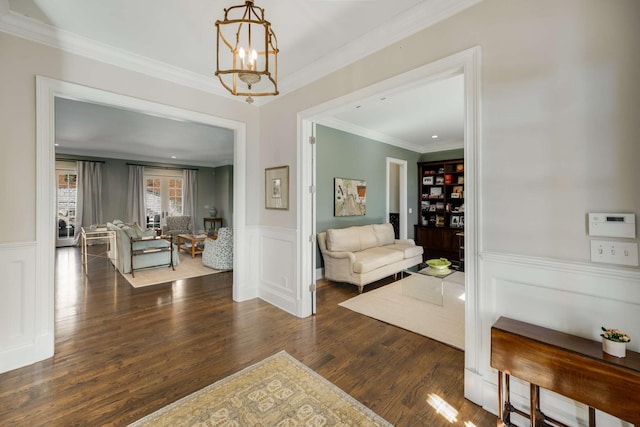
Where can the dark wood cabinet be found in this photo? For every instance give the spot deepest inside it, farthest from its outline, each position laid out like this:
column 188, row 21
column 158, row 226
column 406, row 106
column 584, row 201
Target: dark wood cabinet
column 438, row 242
column 441, row 207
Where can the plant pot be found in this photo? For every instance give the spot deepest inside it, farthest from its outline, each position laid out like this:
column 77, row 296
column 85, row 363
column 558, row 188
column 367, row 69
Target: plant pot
column 614, row 348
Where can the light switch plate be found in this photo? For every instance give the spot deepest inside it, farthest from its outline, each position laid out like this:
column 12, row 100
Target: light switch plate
column 610, row 252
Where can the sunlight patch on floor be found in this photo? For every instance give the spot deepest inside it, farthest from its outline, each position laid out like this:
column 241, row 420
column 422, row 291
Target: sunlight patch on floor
column 442, row 407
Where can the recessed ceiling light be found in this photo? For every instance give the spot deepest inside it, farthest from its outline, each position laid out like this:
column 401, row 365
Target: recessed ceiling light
column 173, row 157
column 434, row 136
column 56, row 145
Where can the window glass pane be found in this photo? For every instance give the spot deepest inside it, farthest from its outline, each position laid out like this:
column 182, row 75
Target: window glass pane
column 153, row 202
column 66, row 199
column 175, row 197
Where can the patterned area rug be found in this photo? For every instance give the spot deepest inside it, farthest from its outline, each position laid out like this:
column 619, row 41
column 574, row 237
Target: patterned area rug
column 188, row 267
column 279, row 391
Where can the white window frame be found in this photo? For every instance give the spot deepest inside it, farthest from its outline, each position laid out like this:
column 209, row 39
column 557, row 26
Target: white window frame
column 164, row 175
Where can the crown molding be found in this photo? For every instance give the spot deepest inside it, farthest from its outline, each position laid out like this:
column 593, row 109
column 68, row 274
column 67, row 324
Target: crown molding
column 36, row 31
column 430, row 147
column 416, row 19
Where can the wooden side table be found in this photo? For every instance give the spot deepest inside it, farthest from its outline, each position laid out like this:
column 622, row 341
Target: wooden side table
column 213, row 222
column 100, row 235
column 566, row 364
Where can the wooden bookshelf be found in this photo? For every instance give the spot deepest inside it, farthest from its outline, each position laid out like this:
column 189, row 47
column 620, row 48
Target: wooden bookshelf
column 441, row 208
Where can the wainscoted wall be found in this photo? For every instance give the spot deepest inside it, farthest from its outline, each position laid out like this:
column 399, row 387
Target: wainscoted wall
column 278, row 268
column 576, row 298
column 22, row 323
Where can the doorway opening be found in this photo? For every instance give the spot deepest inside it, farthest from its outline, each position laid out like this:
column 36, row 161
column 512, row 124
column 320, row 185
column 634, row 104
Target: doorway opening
column 467, row 64
column 397, row 196
column 47, row 90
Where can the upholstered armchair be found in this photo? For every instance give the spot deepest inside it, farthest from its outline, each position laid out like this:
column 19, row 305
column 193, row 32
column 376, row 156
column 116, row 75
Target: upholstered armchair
column 177, row 225
column 218, row 253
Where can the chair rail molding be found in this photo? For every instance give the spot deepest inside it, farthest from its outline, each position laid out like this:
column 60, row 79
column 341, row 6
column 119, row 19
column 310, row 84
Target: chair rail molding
column 572, row 297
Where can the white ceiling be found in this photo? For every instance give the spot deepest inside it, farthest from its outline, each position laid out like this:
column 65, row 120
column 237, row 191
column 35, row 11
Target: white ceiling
column 175, row 40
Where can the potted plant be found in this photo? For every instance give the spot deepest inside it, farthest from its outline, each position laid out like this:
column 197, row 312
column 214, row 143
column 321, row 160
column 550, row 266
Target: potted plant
column 614, row 342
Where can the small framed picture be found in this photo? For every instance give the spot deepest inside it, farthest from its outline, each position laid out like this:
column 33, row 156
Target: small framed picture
column 427, row 180
column 461, row 180
column 455, row 221
column 439, row 180
column 455, row 195
column 276, row 192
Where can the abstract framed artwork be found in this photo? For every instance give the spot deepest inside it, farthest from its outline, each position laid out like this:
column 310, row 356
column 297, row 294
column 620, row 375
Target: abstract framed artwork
column 276, row 191
column 350, row 197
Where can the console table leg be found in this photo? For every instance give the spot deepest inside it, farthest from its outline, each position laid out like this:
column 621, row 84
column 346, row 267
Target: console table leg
column 592, row 417
column 534, row 398
column 506, row 417
column 499, row 396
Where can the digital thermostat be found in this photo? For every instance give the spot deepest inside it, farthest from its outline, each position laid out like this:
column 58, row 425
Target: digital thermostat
column 612, row 225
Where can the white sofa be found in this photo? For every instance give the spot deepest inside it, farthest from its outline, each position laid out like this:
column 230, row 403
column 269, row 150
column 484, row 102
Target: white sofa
column 364, row 254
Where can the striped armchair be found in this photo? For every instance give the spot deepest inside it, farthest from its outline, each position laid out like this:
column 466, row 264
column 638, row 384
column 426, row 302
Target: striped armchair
column 218, row 253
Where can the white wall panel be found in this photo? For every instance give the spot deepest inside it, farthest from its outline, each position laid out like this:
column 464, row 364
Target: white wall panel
column 278, row 268
column 20, row 335
column 576, row 298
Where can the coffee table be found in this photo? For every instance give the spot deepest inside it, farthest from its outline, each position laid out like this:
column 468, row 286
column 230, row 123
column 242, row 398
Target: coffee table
column 426, row 283
column 189, row 243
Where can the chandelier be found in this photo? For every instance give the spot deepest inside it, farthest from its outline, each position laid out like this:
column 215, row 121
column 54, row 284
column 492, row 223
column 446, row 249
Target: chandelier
column 247, row 52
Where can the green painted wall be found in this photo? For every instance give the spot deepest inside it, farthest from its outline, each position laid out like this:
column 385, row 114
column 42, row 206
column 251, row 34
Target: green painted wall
column 343, row 155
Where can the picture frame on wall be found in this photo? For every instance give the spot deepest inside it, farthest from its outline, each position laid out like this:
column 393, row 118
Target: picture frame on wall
column 276, row 191
column 350, row 197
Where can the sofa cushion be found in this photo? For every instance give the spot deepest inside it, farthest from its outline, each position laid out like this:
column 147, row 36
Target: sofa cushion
column 351, row 239
column 384, row 234
column 343, row 239
column 407, row 249
column 131, row 232
column 372, row 258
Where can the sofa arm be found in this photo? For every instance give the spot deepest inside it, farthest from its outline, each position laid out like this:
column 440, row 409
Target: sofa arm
column 338, row 266
column 405, row 242
column 340, row 255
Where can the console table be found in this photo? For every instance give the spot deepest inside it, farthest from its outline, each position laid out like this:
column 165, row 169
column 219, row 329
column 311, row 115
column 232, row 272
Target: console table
column 572, row 366
column 151, row 250
column 101, row 235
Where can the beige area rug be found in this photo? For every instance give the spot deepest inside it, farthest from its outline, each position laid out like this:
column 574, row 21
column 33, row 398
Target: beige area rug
column 188, row 267
column 278, row 391
column 390, row 305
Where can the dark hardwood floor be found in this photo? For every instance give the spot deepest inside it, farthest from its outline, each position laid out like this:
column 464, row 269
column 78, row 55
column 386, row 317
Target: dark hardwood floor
column 122, row 353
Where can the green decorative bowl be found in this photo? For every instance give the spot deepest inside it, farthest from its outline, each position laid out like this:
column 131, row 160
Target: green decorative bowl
column 439, row 263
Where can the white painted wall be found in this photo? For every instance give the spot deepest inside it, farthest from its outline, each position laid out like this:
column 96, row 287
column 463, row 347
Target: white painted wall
column 559, row 138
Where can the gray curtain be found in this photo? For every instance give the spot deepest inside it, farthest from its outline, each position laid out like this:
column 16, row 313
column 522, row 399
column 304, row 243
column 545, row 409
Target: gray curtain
column 190, row 188
column 89, row 196
column 136, row 211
